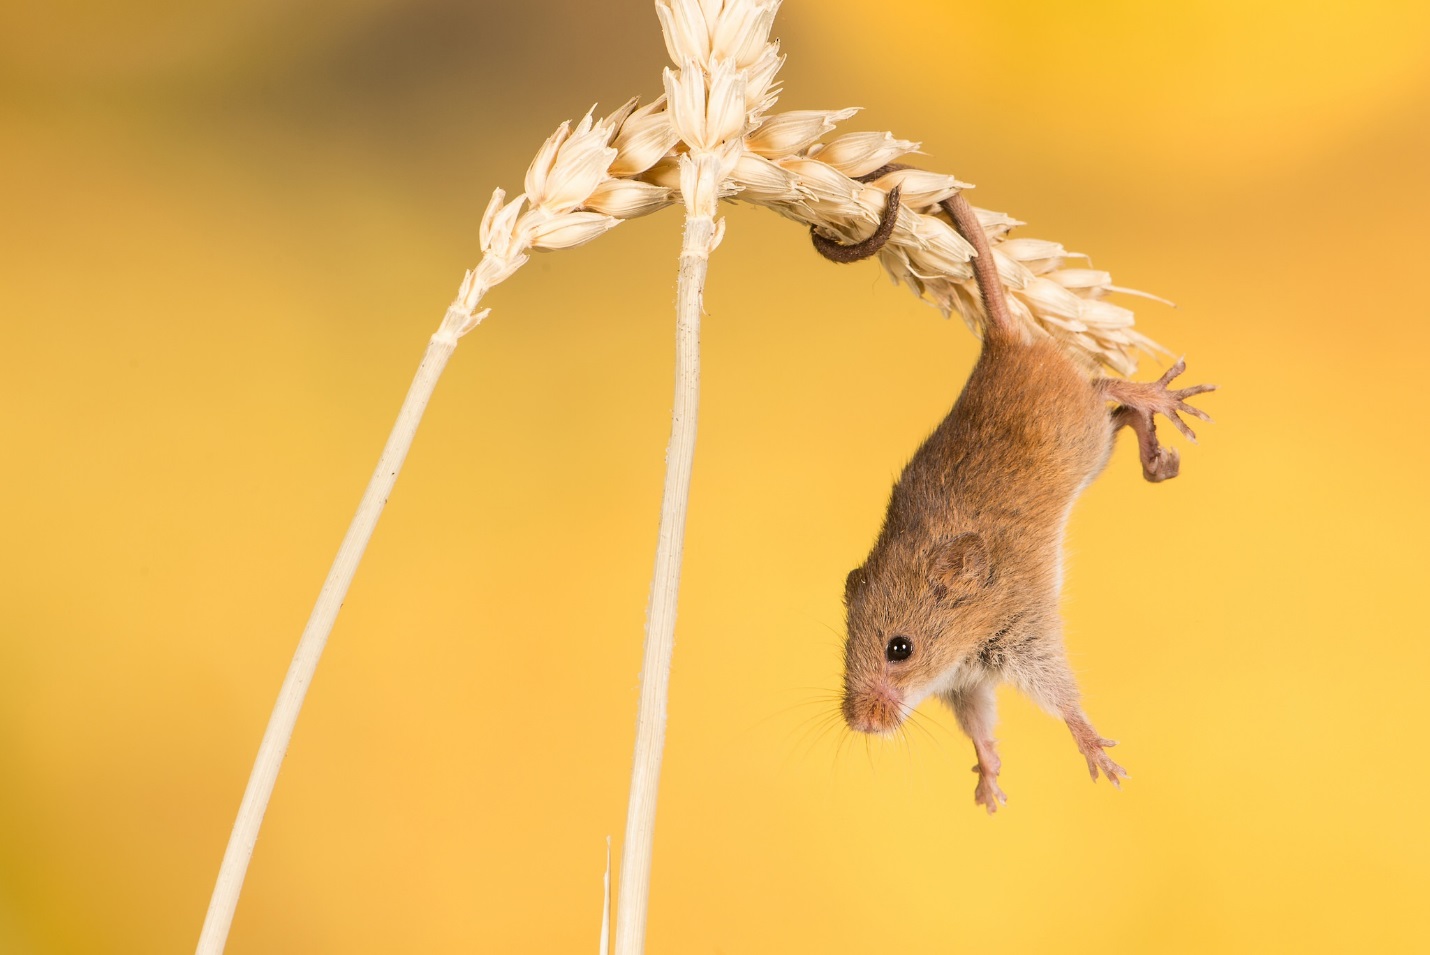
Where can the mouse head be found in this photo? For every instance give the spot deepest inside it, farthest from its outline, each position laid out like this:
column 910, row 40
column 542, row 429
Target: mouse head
column 914, row 614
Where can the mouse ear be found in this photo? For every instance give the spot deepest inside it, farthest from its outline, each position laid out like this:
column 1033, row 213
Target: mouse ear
column 853, row 583
column 960, row 564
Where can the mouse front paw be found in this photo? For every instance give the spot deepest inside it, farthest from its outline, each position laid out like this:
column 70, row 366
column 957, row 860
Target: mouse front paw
column 1097, row 759
column 987, row 794
column 1094, row 749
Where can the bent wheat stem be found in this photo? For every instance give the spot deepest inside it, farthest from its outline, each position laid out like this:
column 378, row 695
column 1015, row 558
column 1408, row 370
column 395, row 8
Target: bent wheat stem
column 310, row 646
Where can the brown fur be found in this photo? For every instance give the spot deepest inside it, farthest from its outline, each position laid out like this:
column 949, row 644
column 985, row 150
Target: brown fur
column 1028, row 433
column 967, row 565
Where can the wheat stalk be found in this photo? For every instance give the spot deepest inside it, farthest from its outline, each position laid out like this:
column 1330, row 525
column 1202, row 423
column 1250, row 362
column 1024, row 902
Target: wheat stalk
column 724, row 83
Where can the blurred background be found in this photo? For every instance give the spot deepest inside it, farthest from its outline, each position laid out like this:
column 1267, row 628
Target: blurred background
column 227, row 230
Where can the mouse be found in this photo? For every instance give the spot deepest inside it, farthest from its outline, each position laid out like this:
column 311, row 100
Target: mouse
column 960, row 591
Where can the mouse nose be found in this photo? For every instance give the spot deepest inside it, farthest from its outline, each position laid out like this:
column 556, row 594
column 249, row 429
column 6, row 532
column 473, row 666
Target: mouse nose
column 878, row 709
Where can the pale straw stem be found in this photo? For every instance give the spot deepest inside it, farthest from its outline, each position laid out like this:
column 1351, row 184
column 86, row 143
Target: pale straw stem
column 606, row 903
column 634, row 892
column 310, row 646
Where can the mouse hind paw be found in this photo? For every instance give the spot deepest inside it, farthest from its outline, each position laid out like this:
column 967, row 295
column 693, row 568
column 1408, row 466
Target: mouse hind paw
column 1139, row 402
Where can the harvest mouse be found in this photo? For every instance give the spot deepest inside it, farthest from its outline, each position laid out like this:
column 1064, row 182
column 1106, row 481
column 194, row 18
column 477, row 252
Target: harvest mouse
column 960, row 591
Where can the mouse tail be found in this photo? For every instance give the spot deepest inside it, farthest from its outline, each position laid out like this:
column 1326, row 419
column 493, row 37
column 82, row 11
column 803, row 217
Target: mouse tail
column 999, row 321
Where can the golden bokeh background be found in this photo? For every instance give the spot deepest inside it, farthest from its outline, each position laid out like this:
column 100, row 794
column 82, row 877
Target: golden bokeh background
column 226, row 231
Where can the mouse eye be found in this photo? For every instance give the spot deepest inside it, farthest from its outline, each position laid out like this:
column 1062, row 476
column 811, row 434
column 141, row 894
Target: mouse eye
column 899, row 648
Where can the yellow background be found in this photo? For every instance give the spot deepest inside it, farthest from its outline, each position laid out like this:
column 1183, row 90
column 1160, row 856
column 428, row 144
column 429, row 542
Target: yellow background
column 226, row 231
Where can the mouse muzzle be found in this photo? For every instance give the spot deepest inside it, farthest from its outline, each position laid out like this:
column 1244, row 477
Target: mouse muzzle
column 874, row 708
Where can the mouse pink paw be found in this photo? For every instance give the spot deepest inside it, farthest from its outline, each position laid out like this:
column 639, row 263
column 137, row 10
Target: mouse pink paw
column 1094, row 749
column 1097, row 759
column 987, row 794
column 1139, row 402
